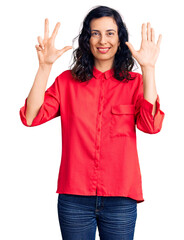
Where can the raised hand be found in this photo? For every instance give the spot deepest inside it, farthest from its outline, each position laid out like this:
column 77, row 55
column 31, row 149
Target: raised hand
column 47, row 53
column 149, row 51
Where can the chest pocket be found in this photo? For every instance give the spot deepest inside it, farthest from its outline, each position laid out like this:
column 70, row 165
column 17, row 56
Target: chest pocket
column 122, row 120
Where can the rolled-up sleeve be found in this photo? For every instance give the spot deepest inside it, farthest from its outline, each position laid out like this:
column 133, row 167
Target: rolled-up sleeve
column 48, row 110
column 145, row 121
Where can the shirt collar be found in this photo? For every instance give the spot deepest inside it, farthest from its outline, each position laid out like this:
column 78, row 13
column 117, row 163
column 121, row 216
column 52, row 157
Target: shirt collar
column 107, row 74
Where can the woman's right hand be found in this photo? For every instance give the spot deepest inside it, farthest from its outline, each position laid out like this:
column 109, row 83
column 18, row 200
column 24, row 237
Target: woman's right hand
column 47, row 53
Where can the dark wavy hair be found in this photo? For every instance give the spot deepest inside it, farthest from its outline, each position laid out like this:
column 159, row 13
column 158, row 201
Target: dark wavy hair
column 83, row 58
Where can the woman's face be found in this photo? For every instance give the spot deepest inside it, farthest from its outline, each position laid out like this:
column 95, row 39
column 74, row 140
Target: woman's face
column 104, row 34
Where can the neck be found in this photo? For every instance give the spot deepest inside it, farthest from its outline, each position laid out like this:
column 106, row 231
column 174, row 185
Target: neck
column 102, row 66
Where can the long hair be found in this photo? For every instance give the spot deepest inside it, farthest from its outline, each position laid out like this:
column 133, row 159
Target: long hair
column 83, row 58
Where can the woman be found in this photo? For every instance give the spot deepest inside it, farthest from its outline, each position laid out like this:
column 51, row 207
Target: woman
column 100, row 100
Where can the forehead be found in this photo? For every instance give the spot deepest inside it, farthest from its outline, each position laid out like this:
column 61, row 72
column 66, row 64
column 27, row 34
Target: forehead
column 103, row 23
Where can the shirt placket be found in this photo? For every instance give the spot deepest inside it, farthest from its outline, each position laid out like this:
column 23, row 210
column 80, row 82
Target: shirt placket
column 99, row 126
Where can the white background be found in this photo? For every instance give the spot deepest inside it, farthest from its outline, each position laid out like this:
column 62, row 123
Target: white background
column 30, row 157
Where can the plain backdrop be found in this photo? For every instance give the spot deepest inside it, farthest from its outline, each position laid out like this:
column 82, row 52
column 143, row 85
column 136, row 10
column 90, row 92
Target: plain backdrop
column 30, row 157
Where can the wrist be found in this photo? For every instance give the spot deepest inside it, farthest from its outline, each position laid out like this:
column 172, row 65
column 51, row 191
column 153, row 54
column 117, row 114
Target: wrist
column 148, row 68
column 45, row 66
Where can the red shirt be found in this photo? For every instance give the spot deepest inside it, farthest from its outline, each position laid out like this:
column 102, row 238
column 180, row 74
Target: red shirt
column 98, row 119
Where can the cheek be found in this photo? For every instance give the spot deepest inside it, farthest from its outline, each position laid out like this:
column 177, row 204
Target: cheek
column 93, row 42
column 93, row 48
column 115, row 43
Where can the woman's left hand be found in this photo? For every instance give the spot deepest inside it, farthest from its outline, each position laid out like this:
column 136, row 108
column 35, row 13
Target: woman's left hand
column 149, row 51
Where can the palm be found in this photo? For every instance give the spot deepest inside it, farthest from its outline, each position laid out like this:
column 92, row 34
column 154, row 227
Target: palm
column 48, row 54
column 148, row 53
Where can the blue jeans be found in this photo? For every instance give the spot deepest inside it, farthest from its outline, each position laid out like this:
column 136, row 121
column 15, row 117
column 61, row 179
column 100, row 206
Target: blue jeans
column 80, row 215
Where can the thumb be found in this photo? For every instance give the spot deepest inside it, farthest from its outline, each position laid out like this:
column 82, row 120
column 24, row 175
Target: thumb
column 131, row 48
column 60, row 52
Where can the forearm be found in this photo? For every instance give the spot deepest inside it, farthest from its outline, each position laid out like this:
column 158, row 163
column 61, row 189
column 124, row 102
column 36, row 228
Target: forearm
column 149, row 86
column 36, row 95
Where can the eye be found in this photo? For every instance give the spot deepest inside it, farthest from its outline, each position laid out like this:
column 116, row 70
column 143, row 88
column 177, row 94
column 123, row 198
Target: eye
column 111, row 33
column 94, row 33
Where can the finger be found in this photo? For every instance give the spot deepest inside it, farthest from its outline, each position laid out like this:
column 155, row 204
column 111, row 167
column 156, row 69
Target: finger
column 40, row 41
column 38, row 48
column 46, row 31
column 55, row 31
column 148, row 31
column 159, row 40
column 143, row 32
column 152, row 35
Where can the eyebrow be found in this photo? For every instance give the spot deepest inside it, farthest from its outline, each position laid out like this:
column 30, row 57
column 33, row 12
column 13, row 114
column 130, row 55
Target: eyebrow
column 106, row 30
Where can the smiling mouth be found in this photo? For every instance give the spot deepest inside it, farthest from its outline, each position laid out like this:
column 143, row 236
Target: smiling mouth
column 103, row 50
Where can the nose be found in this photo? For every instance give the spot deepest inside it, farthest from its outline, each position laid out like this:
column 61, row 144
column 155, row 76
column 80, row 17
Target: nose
column 103, row 39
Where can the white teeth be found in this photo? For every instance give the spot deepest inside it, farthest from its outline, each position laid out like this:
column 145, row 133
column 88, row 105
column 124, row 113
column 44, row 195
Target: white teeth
column 103, row 49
